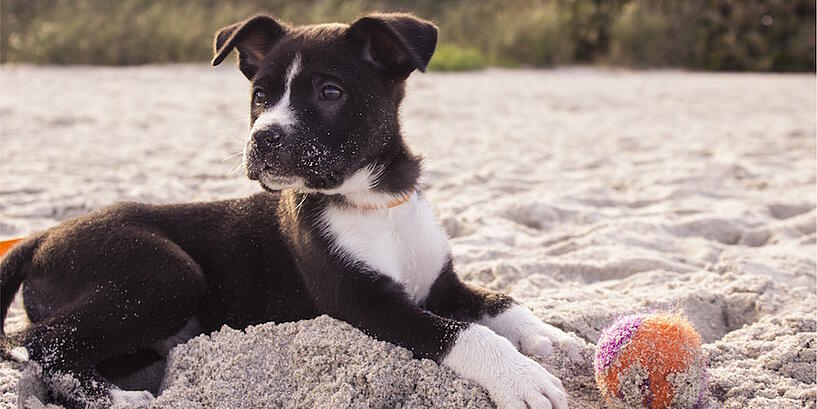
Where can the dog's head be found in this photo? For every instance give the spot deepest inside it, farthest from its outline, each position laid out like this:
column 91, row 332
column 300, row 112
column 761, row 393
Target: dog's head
column 325, row 100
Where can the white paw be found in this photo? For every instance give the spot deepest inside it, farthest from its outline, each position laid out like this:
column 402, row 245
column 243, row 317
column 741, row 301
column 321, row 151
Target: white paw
column 535, row 344
column 530, row 335
column 511, row 379
column 19, row 354
column 130, row 399
column 538, row 337
column 532, row 387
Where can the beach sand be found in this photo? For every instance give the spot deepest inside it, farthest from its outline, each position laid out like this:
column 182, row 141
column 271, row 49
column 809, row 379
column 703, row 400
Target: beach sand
column 584, row 193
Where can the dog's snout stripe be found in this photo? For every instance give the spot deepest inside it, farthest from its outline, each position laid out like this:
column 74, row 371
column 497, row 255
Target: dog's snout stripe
column 293, row 69
column 281, row 113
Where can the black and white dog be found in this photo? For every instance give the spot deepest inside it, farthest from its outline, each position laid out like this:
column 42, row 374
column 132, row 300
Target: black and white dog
column 342, row 229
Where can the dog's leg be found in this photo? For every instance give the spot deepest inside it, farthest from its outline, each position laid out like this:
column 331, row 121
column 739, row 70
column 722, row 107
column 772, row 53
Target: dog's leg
column 450, row 297
column 67, row 372
column 144, row 302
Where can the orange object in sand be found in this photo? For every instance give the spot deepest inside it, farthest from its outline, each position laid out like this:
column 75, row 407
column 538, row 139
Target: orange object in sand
column 651, row 361
column 6, row 245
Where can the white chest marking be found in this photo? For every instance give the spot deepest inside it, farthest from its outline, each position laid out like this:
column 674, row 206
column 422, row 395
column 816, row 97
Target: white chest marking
column 404, row 243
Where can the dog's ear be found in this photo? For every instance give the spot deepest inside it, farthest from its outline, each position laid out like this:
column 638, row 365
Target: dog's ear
column 253, row 38
column 396, row 43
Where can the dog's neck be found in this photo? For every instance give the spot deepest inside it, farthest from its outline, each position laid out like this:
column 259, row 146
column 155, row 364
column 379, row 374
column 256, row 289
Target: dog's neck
column 379, row 205
column 388, row 182
column 391, row 183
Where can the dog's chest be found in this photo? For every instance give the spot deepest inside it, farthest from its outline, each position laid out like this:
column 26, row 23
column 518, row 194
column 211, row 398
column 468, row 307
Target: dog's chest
column 404, row 243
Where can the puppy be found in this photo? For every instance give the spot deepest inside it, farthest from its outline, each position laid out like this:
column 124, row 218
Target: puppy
column 342, row 229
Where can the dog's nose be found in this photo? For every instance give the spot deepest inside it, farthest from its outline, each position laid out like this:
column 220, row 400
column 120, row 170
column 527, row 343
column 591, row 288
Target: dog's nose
column 266, row 138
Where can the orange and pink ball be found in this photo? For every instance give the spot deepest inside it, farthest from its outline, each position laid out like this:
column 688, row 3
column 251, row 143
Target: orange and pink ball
column 651, row 361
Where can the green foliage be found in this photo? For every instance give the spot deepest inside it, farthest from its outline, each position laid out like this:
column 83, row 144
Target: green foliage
column 510, row 33
column 640, row 37
column 590, row 23
column 540, row 37
column 450, row 57
column 735, row 35
column 759, row 35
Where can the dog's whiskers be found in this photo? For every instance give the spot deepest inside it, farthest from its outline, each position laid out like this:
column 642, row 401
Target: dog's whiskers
column 299, row 206
column 236, row 168
column 232, row 156
column 236, row 137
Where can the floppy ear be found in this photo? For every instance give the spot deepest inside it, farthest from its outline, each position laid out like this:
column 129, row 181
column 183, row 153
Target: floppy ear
column 253, row 38
column 396, row 43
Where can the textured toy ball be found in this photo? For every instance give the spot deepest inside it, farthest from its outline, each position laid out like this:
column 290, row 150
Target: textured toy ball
column 651, row 361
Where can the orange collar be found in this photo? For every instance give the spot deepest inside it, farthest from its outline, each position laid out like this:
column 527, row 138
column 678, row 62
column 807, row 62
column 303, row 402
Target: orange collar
column 392, row 204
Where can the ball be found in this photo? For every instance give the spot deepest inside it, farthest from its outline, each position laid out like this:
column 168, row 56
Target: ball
column 651, row 361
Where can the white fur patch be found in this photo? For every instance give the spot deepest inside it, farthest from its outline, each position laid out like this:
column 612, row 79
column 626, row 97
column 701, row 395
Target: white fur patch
column 273, row 182
column 131, row 399
column 191, row 329
column 512, row 379
column 356, row 188
column 19, row 354
column 529, row 334
column 361, row 181
column 281, row 113
column 404, row 243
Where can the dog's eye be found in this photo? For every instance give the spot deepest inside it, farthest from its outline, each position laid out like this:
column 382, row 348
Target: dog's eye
column 331, row 93
column 259, row 97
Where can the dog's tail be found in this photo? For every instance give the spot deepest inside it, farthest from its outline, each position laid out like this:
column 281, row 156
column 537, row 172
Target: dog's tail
column 12, row 272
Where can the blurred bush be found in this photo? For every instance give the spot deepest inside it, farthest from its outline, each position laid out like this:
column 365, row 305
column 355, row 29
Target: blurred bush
column 640, row 37
column 756, row 35
column 450, row 57
column 735, row 35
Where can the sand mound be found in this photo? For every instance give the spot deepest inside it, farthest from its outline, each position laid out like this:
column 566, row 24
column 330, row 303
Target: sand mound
column 320, row 363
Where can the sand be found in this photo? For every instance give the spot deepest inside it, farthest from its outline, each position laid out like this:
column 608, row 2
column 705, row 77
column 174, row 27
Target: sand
column 584, row 193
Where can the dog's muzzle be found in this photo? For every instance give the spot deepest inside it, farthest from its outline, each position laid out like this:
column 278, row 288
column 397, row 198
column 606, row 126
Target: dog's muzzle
column 263, row 151
column 267, row 139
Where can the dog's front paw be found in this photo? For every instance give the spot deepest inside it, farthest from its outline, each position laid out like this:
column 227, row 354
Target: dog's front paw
column 538, row 338
column 535, row 343
column 530, row 335
column 510, row 378
column 532, row 387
